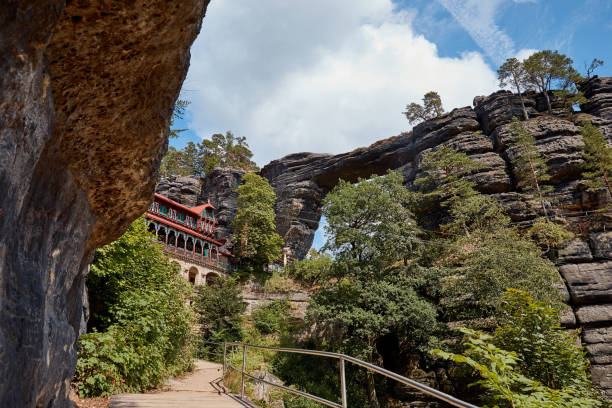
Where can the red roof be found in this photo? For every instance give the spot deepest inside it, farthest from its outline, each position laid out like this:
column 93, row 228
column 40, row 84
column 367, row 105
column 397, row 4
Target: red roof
column 180, row 227
column 200, row 208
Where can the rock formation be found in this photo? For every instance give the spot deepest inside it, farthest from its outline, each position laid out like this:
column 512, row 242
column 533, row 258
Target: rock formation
column 184, row 190
column 86, row 94
column 302, row 180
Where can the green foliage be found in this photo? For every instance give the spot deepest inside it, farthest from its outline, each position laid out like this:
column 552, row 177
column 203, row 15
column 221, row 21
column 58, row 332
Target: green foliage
column 279, row 282
column 506, row 385
column 226, row 151
column 530, row 169
column 369, row 224
column 597, row 155
column 547, row 352
column 548, row 234
column 199, row 159
column 313, row 270
column 140, row 326
column 431, row 108
column 257, row 242
column 444, row 174
column 370, row 306
column 482, row 267
column 178, row 113
column 512, row 73
column 445, row 180
column 272, row 317
column 219, row 309
column 592, row 67
column 545, row 69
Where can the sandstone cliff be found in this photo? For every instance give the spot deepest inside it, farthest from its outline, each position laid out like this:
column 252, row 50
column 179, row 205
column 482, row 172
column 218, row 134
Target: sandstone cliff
column 87, row 90
column 302, row 180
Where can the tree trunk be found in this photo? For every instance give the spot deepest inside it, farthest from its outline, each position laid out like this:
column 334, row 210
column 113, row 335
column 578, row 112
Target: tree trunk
column 545, row 92
column 606, row 180
column 523, row 106
column 518, row 89
column 535, row 178
column 372, row 399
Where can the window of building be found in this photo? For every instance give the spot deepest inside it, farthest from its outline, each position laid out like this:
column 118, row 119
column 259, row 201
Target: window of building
column 164, row 210
column 180, row 217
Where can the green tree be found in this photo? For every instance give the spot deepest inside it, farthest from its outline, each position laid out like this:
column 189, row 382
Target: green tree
column 369, row 223
column 481, row 254
column 548, row 235
column 483, row 266
column 547, row 352
column 431, row 108
column 512, row 72
column 597, row 155
column 444, row 179
column 256, row 241
column 592, row 67
column 140, row 324
column 530, row 167
column 313, row 270
column 545, row 69
column 272, row 317
column 506, row 385
column 226, row 151
column 444, row 174
column 371, row 234
column 178, row 113
column 219, row 309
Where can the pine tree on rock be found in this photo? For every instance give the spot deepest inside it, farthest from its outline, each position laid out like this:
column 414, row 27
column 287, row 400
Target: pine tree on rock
column 530, row 167
column 431, row 108
column 597, row 166
column 512, row 72
column 545, row 69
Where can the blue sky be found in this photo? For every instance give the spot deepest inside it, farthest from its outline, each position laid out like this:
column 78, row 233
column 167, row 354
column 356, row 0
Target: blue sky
column 330, row 76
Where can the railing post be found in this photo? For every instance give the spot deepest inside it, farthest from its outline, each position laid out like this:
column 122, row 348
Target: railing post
column 244, row 349
column 224, row 353
column 343, row 383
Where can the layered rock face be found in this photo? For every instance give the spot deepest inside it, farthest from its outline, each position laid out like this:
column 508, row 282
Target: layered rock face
column 183, row 190
column 86, row 93
column 302, row 180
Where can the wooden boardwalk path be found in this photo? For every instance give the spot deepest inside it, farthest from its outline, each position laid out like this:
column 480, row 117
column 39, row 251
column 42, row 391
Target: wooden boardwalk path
column 198, row 389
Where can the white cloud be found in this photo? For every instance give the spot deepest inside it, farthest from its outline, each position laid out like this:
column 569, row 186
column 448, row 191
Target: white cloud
column 525, row 53
column 318, row 75
column 477, row 17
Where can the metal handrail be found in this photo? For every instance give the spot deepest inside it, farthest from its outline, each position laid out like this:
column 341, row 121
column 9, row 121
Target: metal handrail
column 342, row 358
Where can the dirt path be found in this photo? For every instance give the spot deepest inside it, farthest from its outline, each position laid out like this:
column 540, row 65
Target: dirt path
column 198, row 389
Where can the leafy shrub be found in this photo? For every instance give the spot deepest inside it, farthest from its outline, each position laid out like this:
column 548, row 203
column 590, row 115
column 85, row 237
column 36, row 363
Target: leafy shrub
column 506, row 386
column 219, row 308
column 273, row 317
column 547, row 352
column 140, row 324
column 313, row 270
column 278, row 282
column 489, row 264
column 548, row 234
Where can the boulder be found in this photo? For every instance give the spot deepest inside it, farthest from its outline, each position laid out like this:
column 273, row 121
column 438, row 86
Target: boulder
column 588, row 282
column 598, row 91
column 575, row 251
column 184, row 190
column 594, row 315
column 602, row 245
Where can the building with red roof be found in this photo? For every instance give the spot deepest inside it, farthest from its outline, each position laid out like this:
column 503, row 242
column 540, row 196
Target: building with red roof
column 188, row 235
